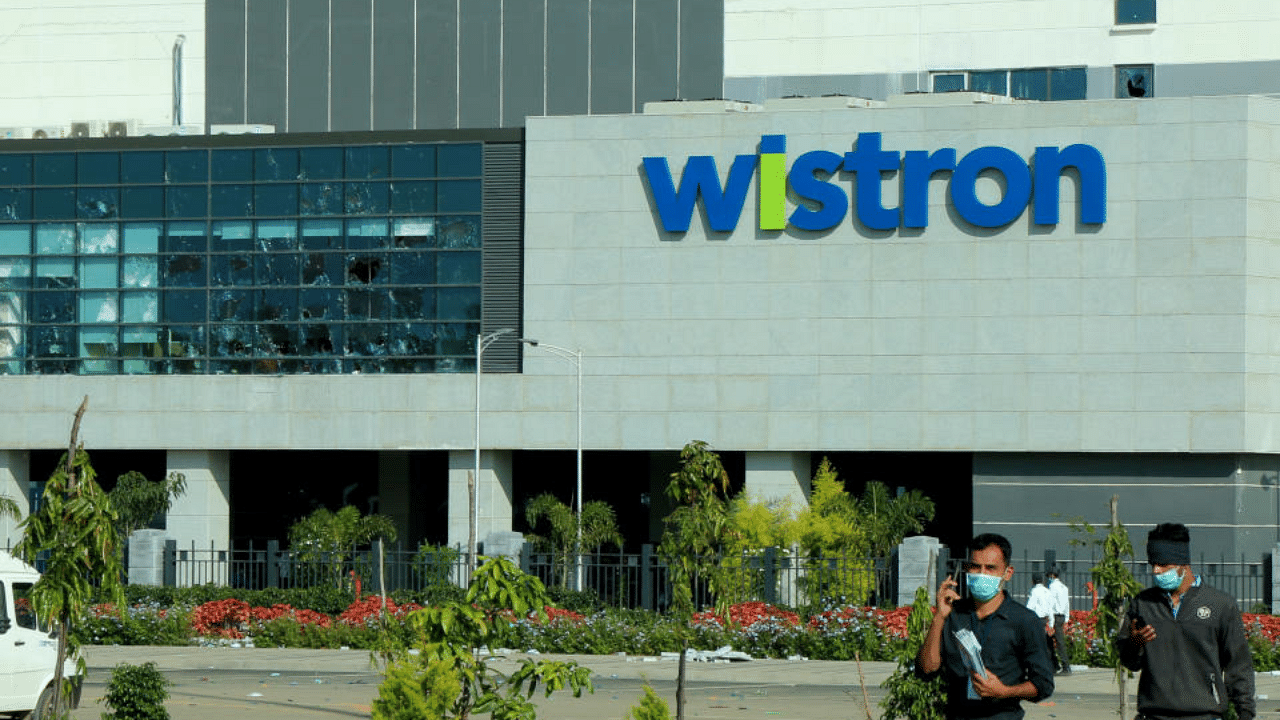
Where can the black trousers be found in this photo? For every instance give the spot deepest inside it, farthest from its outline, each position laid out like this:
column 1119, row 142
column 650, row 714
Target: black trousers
column 1060, row 640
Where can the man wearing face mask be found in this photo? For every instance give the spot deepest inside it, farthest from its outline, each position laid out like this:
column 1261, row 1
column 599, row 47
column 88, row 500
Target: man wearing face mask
column 1015, row 650
column 1186, row 638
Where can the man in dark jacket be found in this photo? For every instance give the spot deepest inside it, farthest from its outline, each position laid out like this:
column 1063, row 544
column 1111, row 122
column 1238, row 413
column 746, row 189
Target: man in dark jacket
column 1186, row 638
column 1014, row 650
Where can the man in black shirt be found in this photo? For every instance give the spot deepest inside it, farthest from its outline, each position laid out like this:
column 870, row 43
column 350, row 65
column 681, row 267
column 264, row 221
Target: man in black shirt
column 1186, row 638
column 1015, row 651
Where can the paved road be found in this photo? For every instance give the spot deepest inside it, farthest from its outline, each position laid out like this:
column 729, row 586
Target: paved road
column 214, row 683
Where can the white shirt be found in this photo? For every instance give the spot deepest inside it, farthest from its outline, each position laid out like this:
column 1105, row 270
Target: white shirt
column 1061, row 598
column 1040, row 601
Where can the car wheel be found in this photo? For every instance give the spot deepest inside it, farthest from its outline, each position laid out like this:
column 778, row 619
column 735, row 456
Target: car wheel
column 44, row 706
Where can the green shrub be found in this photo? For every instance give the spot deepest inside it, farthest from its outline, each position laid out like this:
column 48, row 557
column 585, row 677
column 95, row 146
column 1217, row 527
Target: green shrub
column 136, row 692
column 580, row 601
column 415, row 692
column 651, row 707
column 141, row 625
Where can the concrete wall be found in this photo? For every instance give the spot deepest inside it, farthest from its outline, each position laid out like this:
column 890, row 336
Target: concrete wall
column 1148, row 333
column 91, row 60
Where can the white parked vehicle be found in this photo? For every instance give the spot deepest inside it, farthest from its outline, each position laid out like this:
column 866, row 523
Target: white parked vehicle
column 28, row 650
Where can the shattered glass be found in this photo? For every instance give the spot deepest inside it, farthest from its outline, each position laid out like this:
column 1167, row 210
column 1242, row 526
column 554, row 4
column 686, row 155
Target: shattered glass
column 367, row 339
column 99, row 238
column 367, row 233
column 235, row 305
column 232, row 270
column 413, row 303
column 275, row 164
column 321, row 304
column 55, row 239
column 455, row 232
column 323, row 269
column 367, row 269
column 97, row 203
column 99, row 349
column 367, row 198
column 184, row 270
column 15, row 204
column 277, row 304
column 321, row 199
column 141, row 306
column 276, row 235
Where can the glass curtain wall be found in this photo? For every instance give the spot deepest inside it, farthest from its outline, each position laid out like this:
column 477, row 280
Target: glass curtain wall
column 331, row 259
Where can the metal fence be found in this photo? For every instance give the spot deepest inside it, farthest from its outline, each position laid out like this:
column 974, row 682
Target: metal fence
column 641, row 580
column 625, row 580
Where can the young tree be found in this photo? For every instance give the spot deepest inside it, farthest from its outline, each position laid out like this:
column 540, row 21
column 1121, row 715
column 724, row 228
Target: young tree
column 328, row 539
column 599, row 528
column 138, row 500
column 74, row 534
column 697, row 532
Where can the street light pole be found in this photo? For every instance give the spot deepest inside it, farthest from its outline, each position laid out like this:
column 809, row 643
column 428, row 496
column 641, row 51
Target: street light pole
column 575, row 357
column 483, row 341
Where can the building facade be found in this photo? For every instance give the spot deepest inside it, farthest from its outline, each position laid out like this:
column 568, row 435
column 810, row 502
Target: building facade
column 1021, row 257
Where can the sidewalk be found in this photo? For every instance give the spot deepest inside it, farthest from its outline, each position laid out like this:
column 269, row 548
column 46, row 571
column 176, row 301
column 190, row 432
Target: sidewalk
column 289, row 680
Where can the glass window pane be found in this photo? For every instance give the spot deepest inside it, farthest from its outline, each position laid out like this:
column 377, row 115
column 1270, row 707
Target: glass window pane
column 1130, row 12
column 59, row 272
column 184, row 306
column 232, row 270
column 186, row 166
column 367, row 339
column 413, row 161
column 141, row 306
column 458, row 232
column 99, row 307
column 275, row 164
column 186, row 237
column 413, row 268
column 992, row 81
column 458, row 268
column 366, row 162
column 321, row 199
column 185, row 346
column 99, row 350
column 53, row 306
column 53, row 204
column 15, row 239
column 142, row 237
column 321, row 234
column 99, row 238
column 235, row 305
column 98, row 168
column 1134, row 81
column 232, row 235
column 142, row 202
column 99, row 272
column 413, row 196
column 15, row 272
column 418, row 233
column 1029, row 84
column 141, row 271
column 55, row 239
column 277, row 235
column 458, row 159
column 1067, row 84
column 231, row 201
column 367, row 233
column 367, row 269
column 184, row 271
column 55, row 169
column 15, row 169
column 323, row 268
column 459, row 303
column 95, row 203
column 459, row 196
column 139, row 166
column 321, row 304
column 232, row 166
column 190, row 201
column 277, row 269
column 367, row 198
column 15, row 204
column 276, row 199
column 277, row 304
column 413, row 303
column 323, row 163
column 950, row 82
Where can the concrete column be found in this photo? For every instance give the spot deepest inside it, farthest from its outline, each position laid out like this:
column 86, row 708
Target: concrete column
column 15, row 476
column 394, row 494
column 777, row 477
column 495, row 493
column 201, row 517
column 918, row 565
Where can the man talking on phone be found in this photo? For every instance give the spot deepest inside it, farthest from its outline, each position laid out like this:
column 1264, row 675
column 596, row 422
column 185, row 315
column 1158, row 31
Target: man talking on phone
column 1014, row 650
column 1186, row 638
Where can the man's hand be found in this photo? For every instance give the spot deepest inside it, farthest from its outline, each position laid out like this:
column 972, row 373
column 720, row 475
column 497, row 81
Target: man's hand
column 1140, row 635
column 947, row 594
column 990, row 687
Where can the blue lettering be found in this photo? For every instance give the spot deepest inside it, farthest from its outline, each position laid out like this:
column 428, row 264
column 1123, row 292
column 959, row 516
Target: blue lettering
column 1017, row 189
column 804, row 183
column 918, row 167
column 700, row 178
column 1050, row 162
column 867, row 162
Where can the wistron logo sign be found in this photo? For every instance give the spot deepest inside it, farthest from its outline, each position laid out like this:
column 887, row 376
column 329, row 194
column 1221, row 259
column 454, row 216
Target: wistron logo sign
column 823, row 203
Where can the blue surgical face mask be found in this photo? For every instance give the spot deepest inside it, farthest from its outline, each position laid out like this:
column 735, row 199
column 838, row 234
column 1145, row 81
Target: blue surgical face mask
column 982, row 587
column 1169, row 579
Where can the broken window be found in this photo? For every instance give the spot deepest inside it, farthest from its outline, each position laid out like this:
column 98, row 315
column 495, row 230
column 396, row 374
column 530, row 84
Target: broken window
column 231, row 270
column 97, row 203
column 321, row 199
column 458, row 232
column 366, row 198
column 1134, row 81
column 366, row 269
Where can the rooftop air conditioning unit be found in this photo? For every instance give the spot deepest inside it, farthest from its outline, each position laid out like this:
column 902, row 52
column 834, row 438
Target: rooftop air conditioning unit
column 85, row 130
column 170, row 129
column 49, row 132
column 250, row 129
column 122, row 128
column 15, row 133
